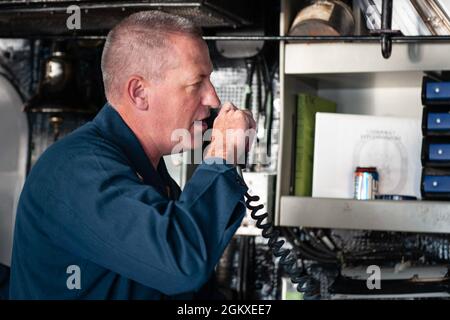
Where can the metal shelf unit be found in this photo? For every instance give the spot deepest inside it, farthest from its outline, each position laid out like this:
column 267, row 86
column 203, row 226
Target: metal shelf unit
column 356, row 76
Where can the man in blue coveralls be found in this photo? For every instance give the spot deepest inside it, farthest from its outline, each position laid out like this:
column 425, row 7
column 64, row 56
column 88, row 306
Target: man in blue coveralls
column 99, row 217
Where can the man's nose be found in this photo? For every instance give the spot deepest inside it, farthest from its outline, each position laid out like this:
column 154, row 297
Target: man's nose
column 211, row 99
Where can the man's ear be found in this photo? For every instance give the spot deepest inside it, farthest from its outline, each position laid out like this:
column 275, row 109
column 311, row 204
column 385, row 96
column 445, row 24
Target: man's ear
column 137, row 92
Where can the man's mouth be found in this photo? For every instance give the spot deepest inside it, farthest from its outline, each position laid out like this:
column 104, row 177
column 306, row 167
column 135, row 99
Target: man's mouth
column 204, row 125
column 201, row 122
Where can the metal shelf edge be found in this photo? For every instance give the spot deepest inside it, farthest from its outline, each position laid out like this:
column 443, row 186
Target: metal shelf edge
column 405, row 216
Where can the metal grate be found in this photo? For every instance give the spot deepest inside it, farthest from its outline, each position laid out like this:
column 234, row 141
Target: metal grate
column 48, row 18
column 230, row 85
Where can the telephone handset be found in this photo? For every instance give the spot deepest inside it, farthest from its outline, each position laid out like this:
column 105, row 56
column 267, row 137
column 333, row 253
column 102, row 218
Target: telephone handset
column 209, row 124
column 213, row 112
column 288, row 261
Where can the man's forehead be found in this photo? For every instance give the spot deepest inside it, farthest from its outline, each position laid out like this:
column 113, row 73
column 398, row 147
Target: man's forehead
column 194, row 72
column 202, row 68
column 195, row 59
column 189, row 47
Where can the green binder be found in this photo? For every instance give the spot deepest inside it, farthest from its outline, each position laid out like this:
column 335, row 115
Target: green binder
column 307, row 107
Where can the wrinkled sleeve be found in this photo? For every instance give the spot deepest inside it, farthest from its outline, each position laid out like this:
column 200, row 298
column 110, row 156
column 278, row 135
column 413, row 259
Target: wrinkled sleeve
column 108, row 216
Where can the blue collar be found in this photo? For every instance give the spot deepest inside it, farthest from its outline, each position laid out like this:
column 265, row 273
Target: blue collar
column 114, row 129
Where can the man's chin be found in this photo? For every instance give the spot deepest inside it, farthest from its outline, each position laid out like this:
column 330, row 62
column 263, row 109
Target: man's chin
column 197, row 135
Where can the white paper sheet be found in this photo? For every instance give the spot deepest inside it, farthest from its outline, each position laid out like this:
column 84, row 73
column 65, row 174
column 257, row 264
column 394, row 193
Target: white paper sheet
column 344, row 142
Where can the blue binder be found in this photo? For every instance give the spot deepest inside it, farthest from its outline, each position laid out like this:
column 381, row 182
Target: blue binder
column 436, row 184
column 439, row 151
column 438, row 91
column 439, row 121
column 435, row 92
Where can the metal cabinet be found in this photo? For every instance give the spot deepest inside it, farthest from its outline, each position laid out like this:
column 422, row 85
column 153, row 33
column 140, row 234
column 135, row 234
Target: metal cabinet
column 356, row 76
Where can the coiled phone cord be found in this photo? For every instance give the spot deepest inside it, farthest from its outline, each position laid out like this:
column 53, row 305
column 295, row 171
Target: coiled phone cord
column 306, row 284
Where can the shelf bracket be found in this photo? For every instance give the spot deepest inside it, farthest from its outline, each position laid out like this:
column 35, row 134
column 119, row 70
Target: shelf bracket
column 386, row 33
column 386, row 25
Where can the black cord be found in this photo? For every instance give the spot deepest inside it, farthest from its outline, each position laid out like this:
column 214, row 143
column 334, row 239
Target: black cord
column 267, row 104
column 317, row 244
column 312, row 252
column 306, row 284
column 250, row 66
column 259, row 100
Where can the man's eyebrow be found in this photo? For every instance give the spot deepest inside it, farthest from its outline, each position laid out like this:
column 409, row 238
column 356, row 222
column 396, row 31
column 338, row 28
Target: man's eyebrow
column 199, row 76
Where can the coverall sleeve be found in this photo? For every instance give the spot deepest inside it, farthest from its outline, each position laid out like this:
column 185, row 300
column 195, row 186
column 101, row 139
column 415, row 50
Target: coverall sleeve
column 108, row 216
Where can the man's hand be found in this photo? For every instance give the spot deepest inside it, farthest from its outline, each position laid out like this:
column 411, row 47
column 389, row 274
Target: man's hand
column 232, row 134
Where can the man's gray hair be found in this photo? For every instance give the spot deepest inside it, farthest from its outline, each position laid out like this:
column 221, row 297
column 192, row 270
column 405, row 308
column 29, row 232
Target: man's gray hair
column 140, row 45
